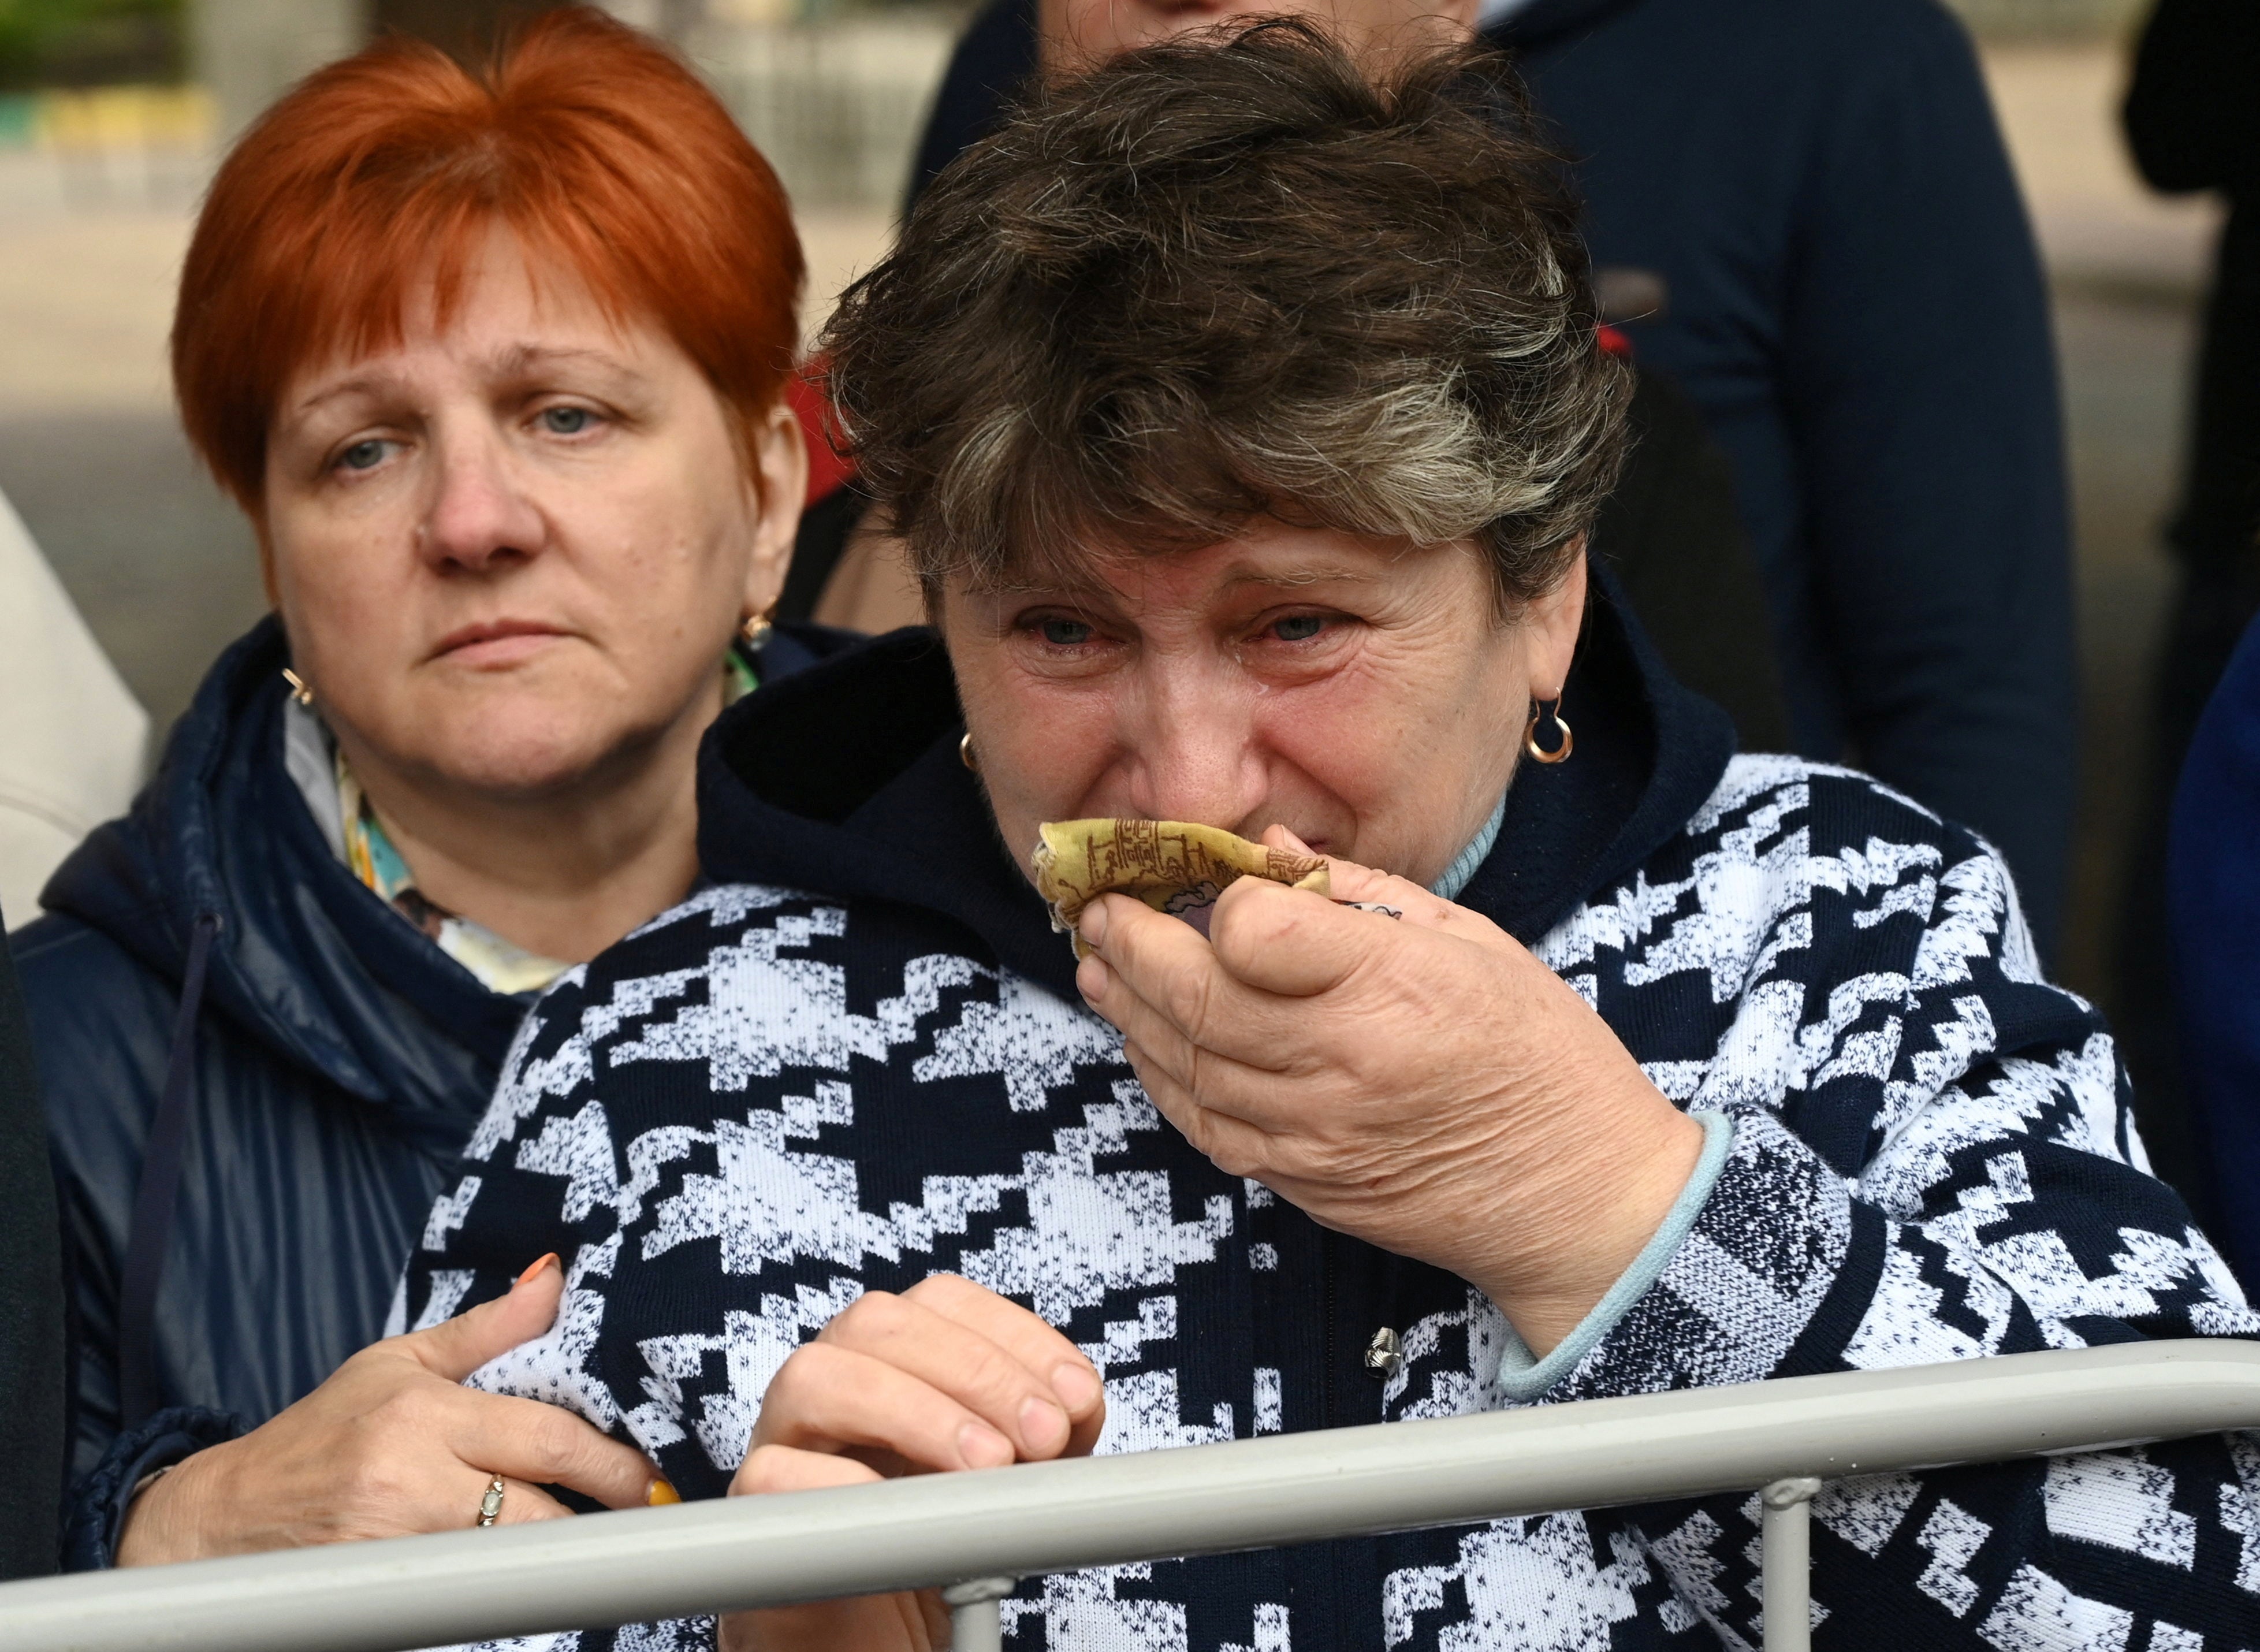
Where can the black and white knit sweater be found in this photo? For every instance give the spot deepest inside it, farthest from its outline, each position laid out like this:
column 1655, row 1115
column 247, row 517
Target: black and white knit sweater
column 861, row 1060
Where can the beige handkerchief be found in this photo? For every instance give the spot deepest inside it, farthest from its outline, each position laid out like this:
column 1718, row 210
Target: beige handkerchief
column 1172, row 866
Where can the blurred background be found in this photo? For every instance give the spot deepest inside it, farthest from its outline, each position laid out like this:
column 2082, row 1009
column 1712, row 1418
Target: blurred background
column 111, row 111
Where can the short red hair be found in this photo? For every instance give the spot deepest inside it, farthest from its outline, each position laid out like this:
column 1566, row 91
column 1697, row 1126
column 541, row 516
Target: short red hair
column 596, row 147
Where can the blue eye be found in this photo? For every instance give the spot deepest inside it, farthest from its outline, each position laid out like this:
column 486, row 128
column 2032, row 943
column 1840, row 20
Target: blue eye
column 363, row 455
column 565, row 421
column 1299, row 627
column 1065, row 633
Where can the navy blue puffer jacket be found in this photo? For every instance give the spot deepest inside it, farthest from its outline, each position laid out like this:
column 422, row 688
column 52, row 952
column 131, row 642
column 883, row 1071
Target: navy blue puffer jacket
column 334, row 1062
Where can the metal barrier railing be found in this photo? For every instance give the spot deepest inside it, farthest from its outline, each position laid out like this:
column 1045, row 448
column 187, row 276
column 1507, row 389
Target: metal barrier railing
column 971, row 1533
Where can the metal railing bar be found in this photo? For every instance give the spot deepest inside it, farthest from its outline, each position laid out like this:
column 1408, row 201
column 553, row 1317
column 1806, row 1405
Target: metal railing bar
column 937, row 1530
column 976, row 1622
column 1785, row 1562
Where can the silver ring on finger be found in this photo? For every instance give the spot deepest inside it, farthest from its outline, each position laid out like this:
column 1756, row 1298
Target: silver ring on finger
column 491, row 1505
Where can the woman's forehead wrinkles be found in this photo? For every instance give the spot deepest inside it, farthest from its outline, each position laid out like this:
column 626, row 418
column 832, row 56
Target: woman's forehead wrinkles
column 511, row 364
column 359, row 384
column 518, row 362
column 1309, row 574
column 1122, row 576
column 522, row 358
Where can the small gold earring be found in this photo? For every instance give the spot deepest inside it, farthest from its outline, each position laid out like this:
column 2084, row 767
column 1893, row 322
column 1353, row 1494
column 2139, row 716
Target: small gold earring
column 756, row 630
column 1530, row 734
column 966, row 755
column 299, row 692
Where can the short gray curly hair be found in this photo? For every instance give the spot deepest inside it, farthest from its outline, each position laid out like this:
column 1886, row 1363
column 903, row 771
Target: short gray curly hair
column 1229, row 277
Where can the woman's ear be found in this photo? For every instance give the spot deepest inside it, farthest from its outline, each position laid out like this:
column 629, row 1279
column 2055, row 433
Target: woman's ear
column 779, row 482
column 1552, row 624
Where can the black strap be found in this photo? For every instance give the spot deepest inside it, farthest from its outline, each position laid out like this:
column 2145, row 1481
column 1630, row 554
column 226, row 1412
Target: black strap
column 151, row 1235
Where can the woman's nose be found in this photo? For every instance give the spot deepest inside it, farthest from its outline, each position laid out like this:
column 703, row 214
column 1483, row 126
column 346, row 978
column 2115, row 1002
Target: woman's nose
column 1198, row 764
column 479, row 510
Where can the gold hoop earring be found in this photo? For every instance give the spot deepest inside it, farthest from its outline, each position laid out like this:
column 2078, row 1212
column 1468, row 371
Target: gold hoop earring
column 299, row 692
column 966, row 755
column 1530, row 734
column 756, row 630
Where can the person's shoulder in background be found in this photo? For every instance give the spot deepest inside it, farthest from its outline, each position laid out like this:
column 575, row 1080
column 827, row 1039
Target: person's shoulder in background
column 74, row 739
column 2213, row 895
column 72, row 747
column 2193, row 110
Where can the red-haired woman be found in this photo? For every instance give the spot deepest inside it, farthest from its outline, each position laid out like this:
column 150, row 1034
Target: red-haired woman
column 496, row 364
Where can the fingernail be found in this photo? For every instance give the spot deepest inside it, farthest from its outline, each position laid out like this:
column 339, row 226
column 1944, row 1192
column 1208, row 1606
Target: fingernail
column 1091, row 979
column 1077, row 1386
column 662, row 1490
column 528, row 1278
column 983, row 1447
column 1092, row 924
column 1042, row 1423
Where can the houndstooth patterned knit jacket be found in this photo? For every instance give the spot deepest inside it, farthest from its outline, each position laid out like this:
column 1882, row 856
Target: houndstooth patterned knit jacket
column 860, row 1060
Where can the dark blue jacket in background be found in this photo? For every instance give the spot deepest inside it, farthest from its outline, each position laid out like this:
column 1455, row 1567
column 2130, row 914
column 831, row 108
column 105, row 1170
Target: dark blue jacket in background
column 2213, row 887
column 340, row 1061
column 1856, row 307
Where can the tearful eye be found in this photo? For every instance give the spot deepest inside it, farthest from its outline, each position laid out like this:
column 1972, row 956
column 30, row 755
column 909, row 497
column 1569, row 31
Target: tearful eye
column 363, row 455
column 1065, row 633
column 1299, row 627
column 565, row 421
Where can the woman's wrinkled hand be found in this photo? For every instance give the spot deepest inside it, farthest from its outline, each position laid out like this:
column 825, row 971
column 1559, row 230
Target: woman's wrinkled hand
column 391, row 1444
column 1422, row 1082
column 946, row 1376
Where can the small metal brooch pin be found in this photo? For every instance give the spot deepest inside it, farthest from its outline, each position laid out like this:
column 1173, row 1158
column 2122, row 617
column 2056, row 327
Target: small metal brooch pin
column 1384, row 1355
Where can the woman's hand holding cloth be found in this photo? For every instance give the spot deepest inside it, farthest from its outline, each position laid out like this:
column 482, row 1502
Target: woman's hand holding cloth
column 392, row 1445
column 1425, row 1084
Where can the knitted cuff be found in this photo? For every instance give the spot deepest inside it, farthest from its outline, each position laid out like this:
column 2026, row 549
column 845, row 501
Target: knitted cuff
column 1522, row 1377
column 95, row 1512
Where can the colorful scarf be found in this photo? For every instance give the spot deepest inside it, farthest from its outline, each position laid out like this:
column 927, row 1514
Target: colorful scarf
column 501, row 966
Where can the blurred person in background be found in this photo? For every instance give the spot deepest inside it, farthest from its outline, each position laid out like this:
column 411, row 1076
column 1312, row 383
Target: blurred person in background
column 495, row 362
column 71, row 749
column 31, row 1318
column 2213, row 886
column 2193, row 118
column 1818, row 199
column 74, row 738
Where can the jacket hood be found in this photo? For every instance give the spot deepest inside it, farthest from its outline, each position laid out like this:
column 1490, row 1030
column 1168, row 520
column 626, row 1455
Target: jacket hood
column 845, row 780
column 307, row 961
